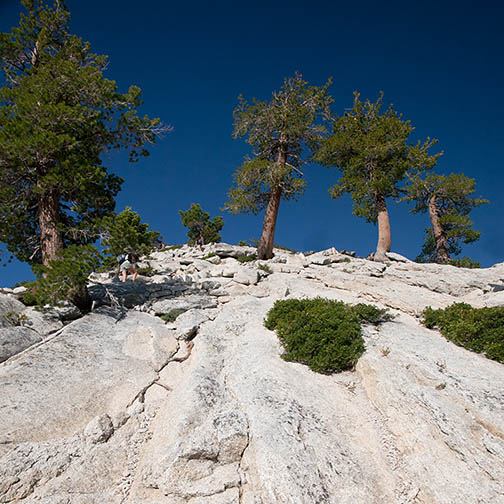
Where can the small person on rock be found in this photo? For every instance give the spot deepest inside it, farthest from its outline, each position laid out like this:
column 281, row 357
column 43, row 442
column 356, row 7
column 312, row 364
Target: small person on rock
column 127, row 265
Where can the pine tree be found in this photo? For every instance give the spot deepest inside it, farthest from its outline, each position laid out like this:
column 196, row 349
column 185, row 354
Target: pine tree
column 279, row 132
column 58, row 115
column 448, row 201
column 125, row 233
column 202, row 229
column 370, row 149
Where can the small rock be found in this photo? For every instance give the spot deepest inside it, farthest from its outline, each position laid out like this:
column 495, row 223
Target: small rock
column 99, row 429
column 214, row 259
column 246, row 277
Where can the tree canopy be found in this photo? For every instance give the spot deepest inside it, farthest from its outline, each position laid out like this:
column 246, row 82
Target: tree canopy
column 370, row 148
column 448, row 201
column 202, row 229
column 279, row 131
column 58, row 115
column 123, row 233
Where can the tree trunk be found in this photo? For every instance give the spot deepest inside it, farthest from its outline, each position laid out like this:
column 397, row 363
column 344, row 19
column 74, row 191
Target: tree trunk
column 51, row 239
column 439, row 235
column 384, row 237
column 265, row 249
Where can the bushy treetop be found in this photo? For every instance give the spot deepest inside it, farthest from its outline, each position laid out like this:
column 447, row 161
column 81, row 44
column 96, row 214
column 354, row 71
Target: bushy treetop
column 278, row 130
column 370, row 147
column 124, row 233
column 201, row 227
column 58, row 115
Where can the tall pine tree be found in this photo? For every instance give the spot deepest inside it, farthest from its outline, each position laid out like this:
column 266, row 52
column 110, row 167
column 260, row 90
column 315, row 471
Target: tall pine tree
column 58, row 115
column 371, row 149
column 279, row 132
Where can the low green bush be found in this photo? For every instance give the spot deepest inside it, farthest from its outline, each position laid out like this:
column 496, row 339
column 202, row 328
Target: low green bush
column 246, row 258
column 16, row 319
column 283, row 247
column 465, row 262
column 147, row 271
column 265, row 268
column 323, row 334
column 65, row 278
column 172, row 315
column 478, row 329
column 208, row 256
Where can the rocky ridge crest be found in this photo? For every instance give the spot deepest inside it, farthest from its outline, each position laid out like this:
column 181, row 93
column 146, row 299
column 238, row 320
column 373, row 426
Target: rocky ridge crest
column 119, row 407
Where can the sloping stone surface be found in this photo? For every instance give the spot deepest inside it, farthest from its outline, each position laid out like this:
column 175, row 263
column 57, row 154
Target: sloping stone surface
column 14, row 340
column 114, row 409
column 9, row 304
column 88, row 369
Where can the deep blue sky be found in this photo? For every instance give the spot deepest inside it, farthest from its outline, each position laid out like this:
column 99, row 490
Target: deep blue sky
column 440, row 63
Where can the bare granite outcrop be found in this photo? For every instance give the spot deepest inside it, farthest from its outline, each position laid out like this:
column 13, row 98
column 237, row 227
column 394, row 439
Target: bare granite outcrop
column 120, row 407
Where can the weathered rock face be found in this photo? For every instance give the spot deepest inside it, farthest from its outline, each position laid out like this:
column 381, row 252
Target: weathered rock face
column 118, row 407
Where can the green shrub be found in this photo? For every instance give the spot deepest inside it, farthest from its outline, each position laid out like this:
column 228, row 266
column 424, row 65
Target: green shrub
column 478, row 329
column 64, row 278
column 372, row 315
column 147, row 271
column 242, row 243
column 246, row 258
column 283, row 247
column 172, row 315
column 265, row 268
column 465, row 262
column 172, row 247
column 212, row 254
column 16, row 319
column 324, row 334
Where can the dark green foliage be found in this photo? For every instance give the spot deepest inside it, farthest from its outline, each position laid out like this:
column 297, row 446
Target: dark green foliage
column 202, row 229
column 124, row 233
column 324, row 334
column 58, row 115
column 465, row 262
column 246, row 258
column 172, row 315
column 208, row 256
column 448, row 199
column 254, row 242
column 370, row 147
column 16, row 319
column 278, row 132
column 370, row 314
column 478, row 329
column 147, row 271
column 65, row 278
column 283, row 247
column 265, row 268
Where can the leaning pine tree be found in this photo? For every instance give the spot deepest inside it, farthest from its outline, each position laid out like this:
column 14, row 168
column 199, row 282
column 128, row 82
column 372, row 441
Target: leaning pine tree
column 279, row 132
column 58, row 115
column 370, row 149
column 448, row 199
